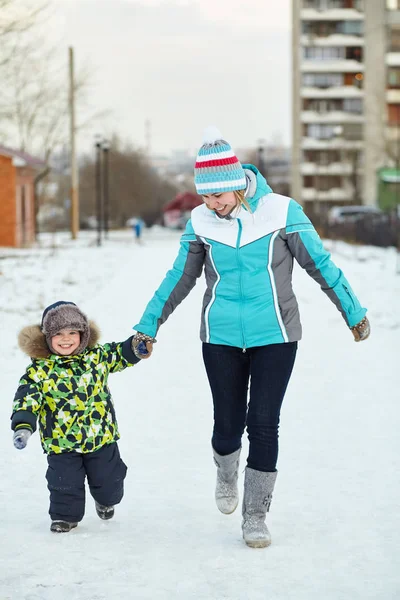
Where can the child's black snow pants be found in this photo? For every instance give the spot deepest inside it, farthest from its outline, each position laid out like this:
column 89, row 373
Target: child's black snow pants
column 66, row 475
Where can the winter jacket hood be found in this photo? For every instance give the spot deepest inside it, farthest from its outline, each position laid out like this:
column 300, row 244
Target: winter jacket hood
column 32, row 341
column 257, row 186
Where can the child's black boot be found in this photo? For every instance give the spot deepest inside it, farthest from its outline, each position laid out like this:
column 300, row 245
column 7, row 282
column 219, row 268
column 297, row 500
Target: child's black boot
column 62, row 526
column 104, row 512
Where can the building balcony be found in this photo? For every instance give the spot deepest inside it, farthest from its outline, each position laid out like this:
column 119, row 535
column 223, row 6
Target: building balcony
column 335, row 143
column 393, row 96
column 333, row 195
column 331, row 169
column 345, row 91
column 331, row 117
column 331, row 66
column 393, row 59
column 333, row 14
column 336, row 39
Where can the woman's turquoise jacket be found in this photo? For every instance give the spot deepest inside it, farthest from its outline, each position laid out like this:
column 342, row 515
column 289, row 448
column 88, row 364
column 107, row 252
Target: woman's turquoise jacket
column 248, row 263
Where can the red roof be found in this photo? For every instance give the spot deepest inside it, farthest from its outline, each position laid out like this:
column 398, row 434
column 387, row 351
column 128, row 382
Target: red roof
column 184, row 201
column 28, row 159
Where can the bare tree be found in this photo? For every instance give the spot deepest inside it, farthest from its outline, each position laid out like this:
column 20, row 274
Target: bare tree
column 135, row 188
column 35, row 100
column 16, row 17
column 34, row 95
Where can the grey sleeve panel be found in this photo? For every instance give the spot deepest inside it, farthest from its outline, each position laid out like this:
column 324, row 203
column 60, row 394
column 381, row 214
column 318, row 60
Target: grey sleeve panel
column 211, row 279
column 282, row 268
column 192, row 269
column 305, row 260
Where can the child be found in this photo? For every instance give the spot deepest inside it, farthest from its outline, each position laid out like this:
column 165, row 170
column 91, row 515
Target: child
column 66, row 389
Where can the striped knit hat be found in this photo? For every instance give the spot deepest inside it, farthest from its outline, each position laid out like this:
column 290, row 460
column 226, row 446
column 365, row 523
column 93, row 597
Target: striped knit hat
column 217, row 168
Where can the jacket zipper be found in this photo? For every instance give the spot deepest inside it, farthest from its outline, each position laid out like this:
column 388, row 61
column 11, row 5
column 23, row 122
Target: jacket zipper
column 240, row 282
column 349, row 295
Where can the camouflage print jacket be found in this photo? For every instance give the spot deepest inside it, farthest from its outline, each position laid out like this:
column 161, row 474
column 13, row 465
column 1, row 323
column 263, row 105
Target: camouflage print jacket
column 69, row 395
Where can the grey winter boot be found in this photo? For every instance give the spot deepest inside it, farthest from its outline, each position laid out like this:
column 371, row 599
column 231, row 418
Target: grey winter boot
column 226, row 491
column 258, row 488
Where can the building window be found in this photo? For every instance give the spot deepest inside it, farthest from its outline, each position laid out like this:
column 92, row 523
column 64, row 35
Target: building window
column 394, row 78
column 394, row 39
column 350, row 27
column 319, row 28
column 325, row 4
column 322, row 106
column 308, row 181
column 328, row 182
column 332, row 4
column 394, row 114
column 324, row 53
column 353, row 105
column 353, row 131
column 355, row 79
column 354, row 53
column 393, row 4
column 320, row 131
column 322, row 80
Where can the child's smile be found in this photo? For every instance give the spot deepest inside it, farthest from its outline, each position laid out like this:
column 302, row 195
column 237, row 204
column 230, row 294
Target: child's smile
column 66, row 341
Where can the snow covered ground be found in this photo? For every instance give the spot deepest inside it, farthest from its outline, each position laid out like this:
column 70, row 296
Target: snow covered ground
column 335, row 512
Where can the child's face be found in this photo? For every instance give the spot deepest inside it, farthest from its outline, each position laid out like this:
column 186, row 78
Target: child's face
column 66, row 341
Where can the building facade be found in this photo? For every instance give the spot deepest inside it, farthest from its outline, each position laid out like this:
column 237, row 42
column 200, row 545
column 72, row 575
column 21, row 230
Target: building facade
column 18, row 172
column 346, row 99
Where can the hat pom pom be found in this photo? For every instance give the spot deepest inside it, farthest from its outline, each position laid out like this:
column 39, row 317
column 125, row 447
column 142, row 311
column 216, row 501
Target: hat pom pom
column 211, row 135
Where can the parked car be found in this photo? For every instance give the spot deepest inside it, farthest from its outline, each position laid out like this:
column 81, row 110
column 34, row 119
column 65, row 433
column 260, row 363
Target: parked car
column 352, row 214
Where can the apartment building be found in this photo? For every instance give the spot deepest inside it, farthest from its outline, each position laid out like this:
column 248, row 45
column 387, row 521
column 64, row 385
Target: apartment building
column 346, row 99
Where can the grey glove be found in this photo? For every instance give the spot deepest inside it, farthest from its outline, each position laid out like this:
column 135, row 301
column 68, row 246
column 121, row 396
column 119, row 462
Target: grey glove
column 142, row 345
column 21, row 437
column 362, row 330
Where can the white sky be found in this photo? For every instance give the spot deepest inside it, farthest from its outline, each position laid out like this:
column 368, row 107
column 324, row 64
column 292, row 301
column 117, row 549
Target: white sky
column 184, row 64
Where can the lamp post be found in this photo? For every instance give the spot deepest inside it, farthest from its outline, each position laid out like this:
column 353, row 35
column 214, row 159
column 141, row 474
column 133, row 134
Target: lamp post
column 106, row 187
column 98, row 187
column 260, row 156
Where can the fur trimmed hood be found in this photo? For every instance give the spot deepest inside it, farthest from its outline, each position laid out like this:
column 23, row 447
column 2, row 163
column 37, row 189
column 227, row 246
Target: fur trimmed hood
column 32, row 340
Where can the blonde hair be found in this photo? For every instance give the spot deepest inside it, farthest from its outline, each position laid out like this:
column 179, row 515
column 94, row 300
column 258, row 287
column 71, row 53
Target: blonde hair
column 241, row 199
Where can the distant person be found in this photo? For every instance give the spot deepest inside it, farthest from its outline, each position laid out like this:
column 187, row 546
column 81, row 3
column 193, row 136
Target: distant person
column 245, row 238
column 65, row 389
column 138, row 229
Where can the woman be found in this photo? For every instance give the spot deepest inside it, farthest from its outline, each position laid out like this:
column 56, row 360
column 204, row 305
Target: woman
column 246, row 237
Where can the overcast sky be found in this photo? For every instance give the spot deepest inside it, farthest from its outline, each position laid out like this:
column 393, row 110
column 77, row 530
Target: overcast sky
column 184, row 64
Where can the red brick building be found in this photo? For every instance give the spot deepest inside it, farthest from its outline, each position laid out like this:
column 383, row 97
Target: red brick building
column 18, row 171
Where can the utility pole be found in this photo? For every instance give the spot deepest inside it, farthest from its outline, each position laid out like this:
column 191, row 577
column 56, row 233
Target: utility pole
column 99, row 189
column 147, row 127
column 106, row 185
column 73, row 162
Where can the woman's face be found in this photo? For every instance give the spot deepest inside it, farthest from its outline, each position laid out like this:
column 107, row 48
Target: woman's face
column 222, row 203
column 66, row 341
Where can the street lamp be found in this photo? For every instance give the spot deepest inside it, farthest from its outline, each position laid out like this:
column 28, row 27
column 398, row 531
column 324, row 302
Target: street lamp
column 106, row 190
column 260, row 156
column 98, row 187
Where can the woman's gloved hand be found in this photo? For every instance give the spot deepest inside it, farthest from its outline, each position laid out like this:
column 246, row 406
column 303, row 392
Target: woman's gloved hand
column 362, row 330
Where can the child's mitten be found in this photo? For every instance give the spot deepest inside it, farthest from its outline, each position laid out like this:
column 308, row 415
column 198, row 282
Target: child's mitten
column 142, row 345
column 21, row 437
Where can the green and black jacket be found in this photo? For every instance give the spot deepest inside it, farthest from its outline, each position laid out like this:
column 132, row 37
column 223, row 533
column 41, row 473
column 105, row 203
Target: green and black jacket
column 68, row 395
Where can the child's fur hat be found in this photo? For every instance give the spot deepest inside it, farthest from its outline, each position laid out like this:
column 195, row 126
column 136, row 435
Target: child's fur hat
column 36, row 340
column 65, row 315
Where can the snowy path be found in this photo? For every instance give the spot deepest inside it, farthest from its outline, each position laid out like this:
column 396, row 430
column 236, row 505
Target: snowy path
column 335, row 516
